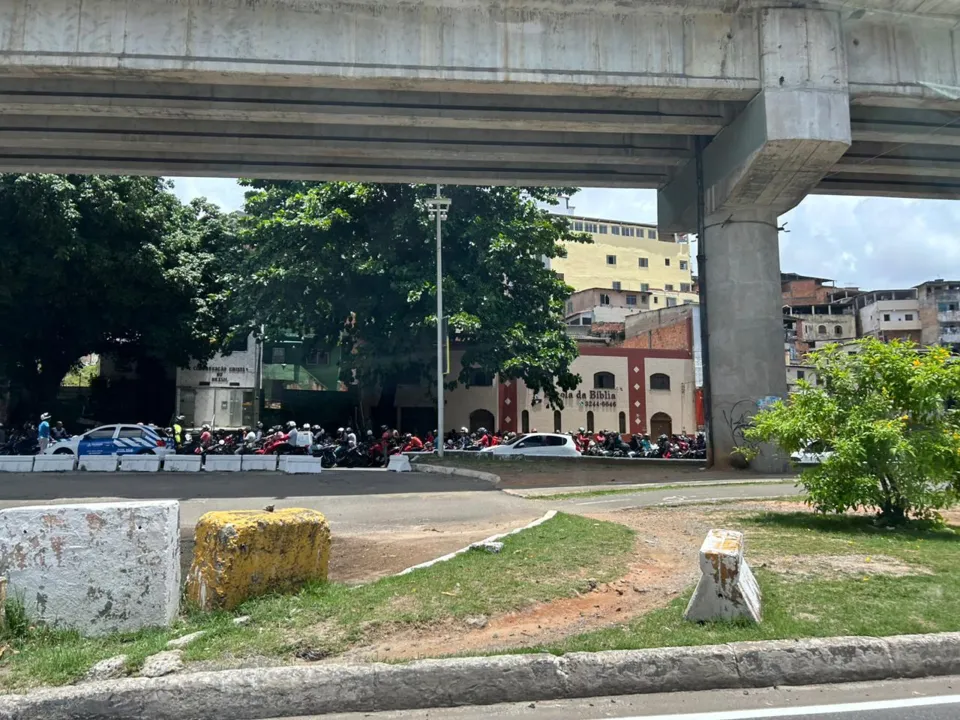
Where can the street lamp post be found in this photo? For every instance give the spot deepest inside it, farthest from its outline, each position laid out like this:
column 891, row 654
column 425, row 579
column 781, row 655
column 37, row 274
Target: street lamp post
column 438, row 210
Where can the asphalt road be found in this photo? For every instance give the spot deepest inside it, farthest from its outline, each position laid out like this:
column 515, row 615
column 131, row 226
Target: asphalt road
column 355, row 501
column 925, row 699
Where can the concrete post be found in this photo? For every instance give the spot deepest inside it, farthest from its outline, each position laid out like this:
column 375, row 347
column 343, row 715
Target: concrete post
column 745, row 334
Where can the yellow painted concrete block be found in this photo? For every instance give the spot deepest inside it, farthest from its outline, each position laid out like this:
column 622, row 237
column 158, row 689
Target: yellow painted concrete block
column 245, row 553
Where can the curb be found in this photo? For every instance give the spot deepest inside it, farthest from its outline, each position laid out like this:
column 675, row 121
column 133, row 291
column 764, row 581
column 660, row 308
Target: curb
column 493, row 538
column 626, row 488
column 459, row 472
column 304, row 691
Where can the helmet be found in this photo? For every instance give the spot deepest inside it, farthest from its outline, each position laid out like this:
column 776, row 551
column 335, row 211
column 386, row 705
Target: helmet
column 291, row 424
column 369, row 433
column 339, row 429
column 181, row 418
column 349, row 430
column 464, row 430
column 482, row 431
column 259, row 424
column 205, row 427
column 408, row 436
column 582, row 430
column 306, row 426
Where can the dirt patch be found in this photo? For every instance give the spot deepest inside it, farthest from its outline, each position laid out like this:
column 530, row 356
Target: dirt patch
column 838, row 566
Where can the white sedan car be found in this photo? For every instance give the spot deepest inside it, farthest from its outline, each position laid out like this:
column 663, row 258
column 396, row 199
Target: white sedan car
column 549, row 444
column 115, row 440
column 813, row 454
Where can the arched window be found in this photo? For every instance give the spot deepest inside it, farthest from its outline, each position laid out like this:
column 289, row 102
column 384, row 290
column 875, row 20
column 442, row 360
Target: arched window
column 821, row 329
column 604, row 381
column 481, row 419
column 659, row 381
column 557, row 420
column 623, row 423
column 590, row 421
column 525, row 421
column 838, row 331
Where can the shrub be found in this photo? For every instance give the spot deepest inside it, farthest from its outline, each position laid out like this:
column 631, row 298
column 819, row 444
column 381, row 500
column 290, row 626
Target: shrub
column 888, row 415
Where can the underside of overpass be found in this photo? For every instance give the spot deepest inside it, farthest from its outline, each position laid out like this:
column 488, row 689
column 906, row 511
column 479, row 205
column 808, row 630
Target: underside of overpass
column 782, row 99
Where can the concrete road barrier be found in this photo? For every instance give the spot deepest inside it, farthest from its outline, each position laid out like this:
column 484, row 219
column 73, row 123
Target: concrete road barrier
column 139, row 463
column 182, row 463
column 727, row 589
column 321, row 689
column 399, row 463
column 96, row 568
column 98, row 463
column 258, row 462
column 223, row 463
column 242, row 554
column 300, row 465
column 16, row 463
column 54, row 463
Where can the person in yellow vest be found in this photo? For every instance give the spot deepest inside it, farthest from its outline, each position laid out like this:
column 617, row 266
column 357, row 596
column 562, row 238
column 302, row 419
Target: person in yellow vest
column 178, row 431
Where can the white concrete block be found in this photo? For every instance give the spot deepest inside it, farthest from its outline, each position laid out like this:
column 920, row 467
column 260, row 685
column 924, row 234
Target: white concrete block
column 259, row 462
column 16, row 463
column 727, row 587
column 96, row 567
column 139, row 463
column 98, row 463
column 399, row 463
column 54, row 463
column 299, row 464
column 182, row 463
column 222, row 463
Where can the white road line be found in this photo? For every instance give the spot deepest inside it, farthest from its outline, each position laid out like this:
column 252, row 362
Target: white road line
column 808, row 711
column 627, row 496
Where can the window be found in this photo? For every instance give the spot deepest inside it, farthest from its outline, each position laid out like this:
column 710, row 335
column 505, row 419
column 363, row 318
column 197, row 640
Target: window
column 560, row 277
column 557, row 420
column 631, row 299
column 623, row 422
column 659, row 381
column 683, row 264
column 603, row 229
column 553, row 441
column 278, row 355
column 908, row 317
column 668, row 287
column 578, row 226
column 590, row 227
column 100, row 434
column 671, row 302
column 604, row 299
column 644, row 287
column 318, row 357
column 626, row 231
column 611, row 259
column 479, row 378
column 639, row 232
column 525, row 421
column 801, row 374
column 684, row 287
column 656, row 301
column 886, row 318
column 130, row 432
column 532, row 441
column 666, row 261
column 604, row 381
column 821, row 329
column 237, row 344
column 837, row 330
column 614, row 229
column 643, row 262
column 586, row 321
column 569, row 307
column 590, row 421
column 652, row 234
column 616, row 284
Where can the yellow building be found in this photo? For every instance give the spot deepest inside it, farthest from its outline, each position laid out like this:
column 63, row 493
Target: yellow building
column 628, row 256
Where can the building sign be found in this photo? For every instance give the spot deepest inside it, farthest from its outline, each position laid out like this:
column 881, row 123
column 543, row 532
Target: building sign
column 222, row 375
column 591, row 398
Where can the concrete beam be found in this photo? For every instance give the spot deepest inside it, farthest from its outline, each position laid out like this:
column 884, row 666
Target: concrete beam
column 793, row 132
column 869, row 185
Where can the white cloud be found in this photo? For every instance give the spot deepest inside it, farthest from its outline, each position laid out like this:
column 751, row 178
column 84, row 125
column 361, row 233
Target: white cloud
column 868, row 242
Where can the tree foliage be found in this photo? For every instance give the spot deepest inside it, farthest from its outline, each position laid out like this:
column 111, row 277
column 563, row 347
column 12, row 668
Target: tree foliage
column 108, row 265
column 887, row 412
column 355, row 263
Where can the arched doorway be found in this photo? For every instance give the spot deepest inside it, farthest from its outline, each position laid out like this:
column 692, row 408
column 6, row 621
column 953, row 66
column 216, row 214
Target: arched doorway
column 623, row 423
column 660, row 424
column 525, row 422
column 481, row 419
column 557, row 421
column 590, row 420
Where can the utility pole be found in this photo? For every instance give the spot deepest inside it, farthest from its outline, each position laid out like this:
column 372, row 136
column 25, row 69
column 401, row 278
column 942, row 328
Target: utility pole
column 438, row 210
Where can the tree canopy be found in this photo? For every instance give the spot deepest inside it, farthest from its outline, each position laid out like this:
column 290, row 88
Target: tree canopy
column 887, row 416
column 354, row 263
column 104, row 264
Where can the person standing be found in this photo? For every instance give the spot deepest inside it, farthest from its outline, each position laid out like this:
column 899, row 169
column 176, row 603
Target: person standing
column 43, row 432
column 178, row 432
column 59, row 432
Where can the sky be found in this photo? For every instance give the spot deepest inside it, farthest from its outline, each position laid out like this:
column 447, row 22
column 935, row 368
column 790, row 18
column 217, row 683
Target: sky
column 871, row 243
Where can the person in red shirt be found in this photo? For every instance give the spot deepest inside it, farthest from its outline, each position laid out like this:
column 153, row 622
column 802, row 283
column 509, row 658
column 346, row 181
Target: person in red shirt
column 412, row 443
column 484, row 438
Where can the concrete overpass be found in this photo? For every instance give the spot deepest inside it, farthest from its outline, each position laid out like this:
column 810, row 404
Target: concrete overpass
column 827, row 97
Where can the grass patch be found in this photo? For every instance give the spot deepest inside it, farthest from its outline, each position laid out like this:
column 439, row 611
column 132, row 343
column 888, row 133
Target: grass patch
column 634, row 490
column 865, row 604
column 552, row 560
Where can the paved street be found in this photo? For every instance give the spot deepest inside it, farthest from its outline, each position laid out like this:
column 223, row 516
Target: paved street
column 925, row 699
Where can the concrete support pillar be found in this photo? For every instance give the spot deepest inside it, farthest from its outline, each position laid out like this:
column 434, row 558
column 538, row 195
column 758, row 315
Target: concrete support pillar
column 745, row 333
column 758, row 167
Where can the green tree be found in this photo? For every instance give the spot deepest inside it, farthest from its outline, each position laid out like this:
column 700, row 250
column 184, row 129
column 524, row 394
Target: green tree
column 354, row 264
column 887, row 413
column 107, row 265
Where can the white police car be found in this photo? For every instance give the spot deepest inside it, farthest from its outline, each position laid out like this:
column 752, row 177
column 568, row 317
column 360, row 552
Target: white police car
column 115, row 440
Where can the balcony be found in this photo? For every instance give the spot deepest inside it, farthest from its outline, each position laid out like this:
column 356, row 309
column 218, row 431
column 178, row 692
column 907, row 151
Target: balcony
column 949, row 317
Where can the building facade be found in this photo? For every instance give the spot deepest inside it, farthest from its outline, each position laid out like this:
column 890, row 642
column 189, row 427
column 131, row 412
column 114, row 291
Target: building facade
column 223, row 391
column 603, row 305
column 939, row 302
column 629, row 390
column 888, row 315
column 628, row 257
